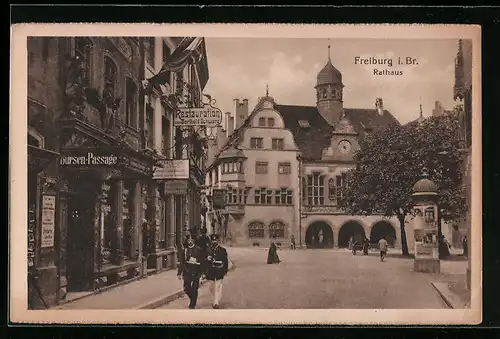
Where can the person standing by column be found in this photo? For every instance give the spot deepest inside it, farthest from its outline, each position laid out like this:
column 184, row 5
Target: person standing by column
column 217, row 268
column 292, row 242
column 191, row 265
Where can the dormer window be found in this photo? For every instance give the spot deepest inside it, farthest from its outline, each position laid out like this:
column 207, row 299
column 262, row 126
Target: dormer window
column 270, row 122
column 262, row 122
column 304, row 123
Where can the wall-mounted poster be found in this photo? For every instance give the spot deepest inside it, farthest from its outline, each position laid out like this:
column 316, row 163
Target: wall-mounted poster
column 48, row 220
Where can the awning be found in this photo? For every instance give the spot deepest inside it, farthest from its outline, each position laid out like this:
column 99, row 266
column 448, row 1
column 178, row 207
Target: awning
column 188, row 47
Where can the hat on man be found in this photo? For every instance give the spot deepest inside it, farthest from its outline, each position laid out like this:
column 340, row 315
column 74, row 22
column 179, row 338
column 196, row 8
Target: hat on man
column 214, row 236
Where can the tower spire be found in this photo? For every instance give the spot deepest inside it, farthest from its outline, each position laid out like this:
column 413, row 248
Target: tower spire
column 329, row 58
column 421, row 114
column 267, row 90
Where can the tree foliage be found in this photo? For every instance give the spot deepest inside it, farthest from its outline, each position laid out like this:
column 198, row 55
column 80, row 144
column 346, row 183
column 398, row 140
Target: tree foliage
column 391, row 161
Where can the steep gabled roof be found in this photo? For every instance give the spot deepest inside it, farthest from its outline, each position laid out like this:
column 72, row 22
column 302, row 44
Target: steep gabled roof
column 238, row 133
column 310, row 140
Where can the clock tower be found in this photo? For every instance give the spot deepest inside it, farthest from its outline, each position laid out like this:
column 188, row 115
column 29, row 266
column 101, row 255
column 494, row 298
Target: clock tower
column 329, row 91
column 344, row 142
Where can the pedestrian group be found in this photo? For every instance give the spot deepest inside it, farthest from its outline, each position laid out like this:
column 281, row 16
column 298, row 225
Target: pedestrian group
column 202, row 258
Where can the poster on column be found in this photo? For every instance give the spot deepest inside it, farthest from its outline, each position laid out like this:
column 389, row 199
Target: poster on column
column 48, row 220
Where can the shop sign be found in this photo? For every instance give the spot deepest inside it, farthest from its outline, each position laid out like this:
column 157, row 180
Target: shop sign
column 219, row 198
column 89, row 159
column 207, row 115
column 172, row 169
column 176, row 187
column 48, row 220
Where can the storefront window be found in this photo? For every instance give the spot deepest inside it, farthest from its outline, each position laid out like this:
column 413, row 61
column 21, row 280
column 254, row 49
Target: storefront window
column 128, row 219
column 108, row 219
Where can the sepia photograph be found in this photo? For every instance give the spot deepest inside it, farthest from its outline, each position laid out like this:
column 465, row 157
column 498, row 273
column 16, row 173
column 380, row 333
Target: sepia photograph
column 198, row 173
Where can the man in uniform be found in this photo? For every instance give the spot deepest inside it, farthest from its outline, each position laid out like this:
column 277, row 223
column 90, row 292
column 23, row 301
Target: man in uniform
column 204, row 241
column 216, row 269
column 190, row 268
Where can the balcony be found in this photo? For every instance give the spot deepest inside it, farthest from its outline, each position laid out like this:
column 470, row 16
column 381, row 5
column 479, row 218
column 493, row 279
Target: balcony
column 235, row 209
column 321, row 209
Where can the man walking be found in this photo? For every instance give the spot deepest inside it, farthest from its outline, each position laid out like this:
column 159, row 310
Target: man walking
column 190, row 267
column 382, row 246
column 204, row 242
column 216, row 269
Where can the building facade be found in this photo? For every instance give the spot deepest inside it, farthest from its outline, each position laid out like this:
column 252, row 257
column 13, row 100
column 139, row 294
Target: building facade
column 319, row 143
column 259, row 171
column 97, row 215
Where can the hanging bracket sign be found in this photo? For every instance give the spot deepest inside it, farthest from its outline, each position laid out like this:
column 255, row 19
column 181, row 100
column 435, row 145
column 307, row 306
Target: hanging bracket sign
column 207, row 116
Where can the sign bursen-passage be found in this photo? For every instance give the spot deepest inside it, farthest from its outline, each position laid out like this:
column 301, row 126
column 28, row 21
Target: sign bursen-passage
column 207, row 115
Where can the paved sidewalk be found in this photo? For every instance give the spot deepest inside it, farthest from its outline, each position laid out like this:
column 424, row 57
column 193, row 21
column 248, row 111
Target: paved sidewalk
column 146, row 293
column 131, row 295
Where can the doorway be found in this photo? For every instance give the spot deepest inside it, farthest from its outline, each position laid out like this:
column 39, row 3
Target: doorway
column 80, row 236
column 319, row 235
column 383, row 229
column 351, row 229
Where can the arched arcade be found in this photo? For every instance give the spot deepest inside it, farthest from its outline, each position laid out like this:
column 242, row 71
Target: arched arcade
column 383, row 229
column 319, row 235
column 350, row 229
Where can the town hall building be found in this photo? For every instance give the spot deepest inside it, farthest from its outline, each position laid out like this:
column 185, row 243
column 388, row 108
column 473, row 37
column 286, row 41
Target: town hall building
column 283, row 168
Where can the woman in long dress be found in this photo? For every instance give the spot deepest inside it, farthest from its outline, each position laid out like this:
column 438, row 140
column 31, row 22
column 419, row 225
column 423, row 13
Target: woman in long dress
column 272, row 255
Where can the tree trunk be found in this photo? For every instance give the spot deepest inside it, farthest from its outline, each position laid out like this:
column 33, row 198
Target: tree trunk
column 404, row 243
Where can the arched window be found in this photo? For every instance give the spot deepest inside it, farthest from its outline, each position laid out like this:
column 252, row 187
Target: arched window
column 110, row 75
column 256, row 229
column 277, row 229
column 131, row 104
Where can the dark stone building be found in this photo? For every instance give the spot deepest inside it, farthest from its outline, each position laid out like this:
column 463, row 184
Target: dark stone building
column 89, row 196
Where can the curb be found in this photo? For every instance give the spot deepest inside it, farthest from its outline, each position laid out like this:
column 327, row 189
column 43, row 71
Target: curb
column 167, row 298
column 451, row 300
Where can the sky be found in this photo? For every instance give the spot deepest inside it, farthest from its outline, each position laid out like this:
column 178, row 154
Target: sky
column 241, row 67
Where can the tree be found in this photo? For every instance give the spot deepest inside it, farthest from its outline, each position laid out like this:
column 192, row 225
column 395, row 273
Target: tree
column 391, row 161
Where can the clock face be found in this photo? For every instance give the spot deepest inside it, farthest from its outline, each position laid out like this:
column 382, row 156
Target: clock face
column 345, row 146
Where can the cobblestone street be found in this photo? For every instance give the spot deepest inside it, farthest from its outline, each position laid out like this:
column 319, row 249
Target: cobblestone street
column 325, row 279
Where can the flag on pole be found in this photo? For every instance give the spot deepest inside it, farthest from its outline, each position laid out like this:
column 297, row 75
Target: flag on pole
column 179, row 58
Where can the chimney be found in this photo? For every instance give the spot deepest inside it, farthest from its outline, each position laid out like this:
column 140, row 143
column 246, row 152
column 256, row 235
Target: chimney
column 240, row 113
column 228, row 126
column 379, row 105
column 236, row 103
